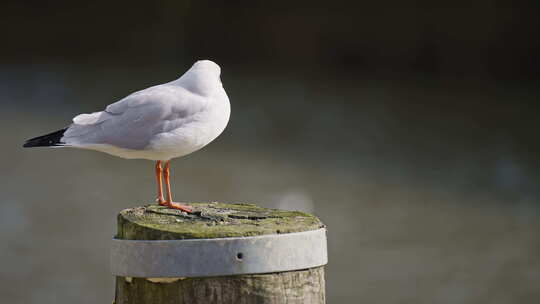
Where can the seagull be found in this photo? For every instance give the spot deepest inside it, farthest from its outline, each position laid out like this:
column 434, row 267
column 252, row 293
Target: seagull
column 159, row 123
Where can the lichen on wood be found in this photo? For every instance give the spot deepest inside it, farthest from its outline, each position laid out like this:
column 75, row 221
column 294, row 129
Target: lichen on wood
column 210, row 220
column 218, row 220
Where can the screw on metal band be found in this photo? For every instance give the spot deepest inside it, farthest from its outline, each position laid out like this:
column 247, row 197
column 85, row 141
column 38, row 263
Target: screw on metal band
column 219, row 256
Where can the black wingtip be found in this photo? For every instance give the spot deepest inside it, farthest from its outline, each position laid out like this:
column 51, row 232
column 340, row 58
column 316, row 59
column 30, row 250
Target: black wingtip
column 47, row 140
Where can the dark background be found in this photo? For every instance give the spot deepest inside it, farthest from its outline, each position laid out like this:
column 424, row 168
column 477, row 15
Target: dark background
column 410, row 130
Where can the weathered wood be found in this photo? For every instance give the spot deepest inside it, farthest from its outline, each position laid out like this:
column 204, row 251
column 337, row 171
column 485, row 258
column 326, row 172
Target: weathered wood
column 217, row 220
column 304, row 286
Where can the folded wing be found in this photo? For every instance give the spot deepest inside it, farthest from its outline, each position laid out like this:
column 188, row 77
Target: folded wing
column 132, row 122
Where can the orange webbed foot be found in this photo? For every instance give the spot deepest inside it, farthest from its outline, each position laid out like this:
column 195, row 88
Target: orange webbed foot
column 177, row 206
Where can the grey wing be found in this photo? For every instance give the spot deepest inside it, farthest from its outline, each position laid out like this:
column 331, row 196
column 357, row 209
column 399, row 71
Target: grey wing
column 132, row 122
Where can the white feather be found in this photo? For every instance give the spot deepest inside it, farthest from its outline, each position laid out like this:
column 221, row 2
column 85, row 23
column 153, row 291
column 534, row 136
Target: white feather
column 159, row 123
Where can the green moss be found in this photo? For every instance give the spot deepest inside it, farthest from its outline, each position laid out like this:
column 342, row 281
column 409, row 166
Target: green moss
column 210, row 220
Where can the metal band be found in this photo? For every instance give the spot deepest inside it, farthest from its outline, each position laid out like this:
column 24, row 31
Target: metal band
column 220, row 256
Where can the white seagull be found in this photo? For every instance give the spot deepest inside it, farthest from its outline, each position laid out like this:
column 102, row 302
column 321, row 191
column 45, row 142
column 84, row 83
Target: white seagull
column 158, row 123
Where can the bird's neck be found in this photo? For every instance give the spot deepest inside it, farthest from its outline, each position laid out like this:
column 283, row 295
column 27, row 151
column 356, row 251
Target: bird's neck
column 200, row 83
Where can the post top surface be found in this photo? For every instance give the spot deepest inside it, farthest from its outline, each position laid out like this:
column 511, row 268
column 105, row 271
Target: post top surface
column 210, row 220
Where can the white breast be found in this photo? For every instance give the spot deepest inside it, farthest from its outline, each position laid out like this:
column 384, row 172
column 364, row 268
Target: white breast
column 190, row 137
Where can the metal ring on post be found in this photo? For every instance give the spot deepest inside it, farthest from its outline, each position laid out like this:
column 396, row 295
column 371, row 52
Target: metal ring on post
column 219, row 256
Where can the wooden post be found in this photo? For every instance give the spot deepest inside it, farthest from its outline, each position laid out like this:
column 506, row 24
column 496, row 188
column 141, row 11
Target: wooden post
column 212, row 221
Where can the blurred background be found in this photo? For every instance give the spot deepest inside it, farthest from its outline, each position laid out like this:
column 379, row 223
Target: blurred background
column 412, row 131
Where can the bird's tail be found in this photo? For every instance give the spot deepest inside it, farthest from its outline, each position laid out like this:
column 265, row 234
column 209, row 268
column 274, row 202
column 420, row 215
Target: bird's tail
column 47, row 140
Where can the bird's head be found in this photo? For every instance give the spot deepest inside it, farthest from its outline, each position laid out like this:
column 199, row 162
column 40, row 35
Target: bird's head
column 202, row 78
column 206, row 66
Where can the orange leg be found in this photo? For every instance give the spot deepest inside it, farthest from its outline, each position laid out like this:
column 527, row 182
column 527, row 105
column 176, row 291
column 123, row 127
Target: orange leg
column 169, row 203
column 159, row 198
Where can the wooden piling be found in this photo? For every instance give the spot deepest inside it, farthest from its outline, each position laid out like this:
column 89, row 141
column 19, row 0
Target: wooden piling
column 213, row 221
